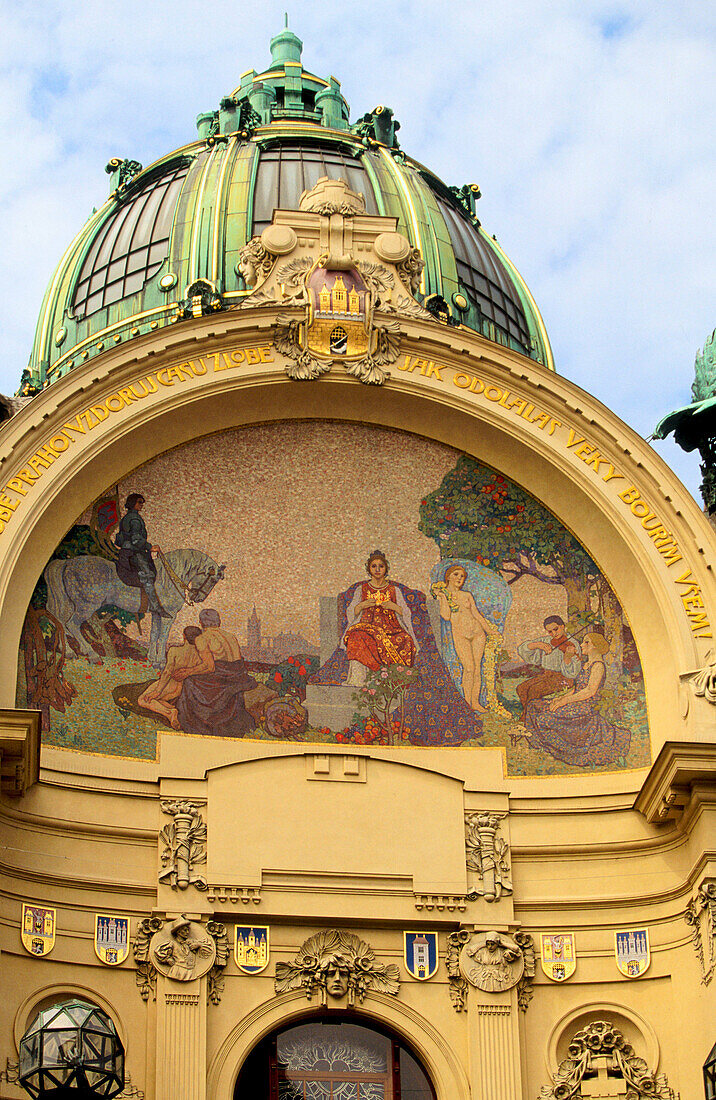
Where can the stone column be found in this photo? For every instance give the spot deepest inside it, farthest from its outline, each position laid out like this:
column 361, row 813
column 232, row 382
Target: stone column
column 495, row 1063
column 181, row 1039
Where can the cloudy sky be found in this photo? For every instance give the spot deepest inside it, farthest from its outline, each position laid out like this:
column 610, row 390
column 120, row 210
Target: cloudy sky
column 588, row 124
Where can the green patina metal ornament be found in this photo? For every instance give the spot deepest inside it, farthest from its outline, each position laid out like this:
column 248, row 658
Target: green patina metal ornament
column 694, row 425
column 72, row 1050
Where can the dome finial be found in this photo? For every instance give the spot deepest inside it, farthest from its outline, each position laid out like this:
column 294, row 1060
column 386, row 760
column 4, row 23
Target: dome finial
column 286, row 46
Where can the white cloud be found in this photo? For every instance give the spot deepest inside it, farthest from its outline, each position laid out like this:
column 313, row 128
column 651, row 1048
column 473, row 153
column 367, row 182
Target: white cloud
column 588, row 124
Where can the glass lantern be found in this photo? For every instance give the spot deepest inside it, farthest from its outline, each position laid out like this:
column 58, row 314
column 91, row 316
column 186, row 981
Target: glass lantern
column 72, row 1050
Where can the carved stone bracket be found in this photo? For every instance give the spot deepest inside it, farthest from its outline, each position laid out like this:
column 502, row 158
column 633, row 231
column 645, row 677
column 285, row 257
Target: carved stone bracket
column 181, row 950
column 337, row 964
column 184, row 843
column 486, row 854
column 146, row 973
column 441, row 902
column 492, row 962
column 700, row 915
column 601, row 1060
column 234, row 894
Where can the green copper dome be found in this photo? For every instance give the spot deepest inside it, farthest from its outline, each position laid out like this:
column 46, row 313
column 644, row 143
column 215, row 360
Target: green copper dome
column 187, row 216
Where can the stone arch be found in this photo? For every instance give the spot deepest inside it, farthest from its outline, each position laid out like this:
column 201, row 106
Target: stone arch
column 605, row 1041
column 635, row 1029
column 439, row 1060
column 42, row 998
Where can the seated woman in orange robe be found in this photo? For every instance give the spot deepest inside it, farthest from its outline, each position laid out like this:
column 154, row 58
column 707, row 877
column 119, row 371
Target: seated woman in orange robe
column 379, row 630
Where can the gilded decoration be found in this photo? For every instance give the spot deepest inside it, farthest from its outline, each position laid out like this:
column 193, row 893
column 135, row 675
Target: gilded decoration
column 700, row 916
column 492, row 962
column 184, row 845
column 602, row 1063
column 338, row 965
column 342, row 295
column 487, row 856
column 455, row 610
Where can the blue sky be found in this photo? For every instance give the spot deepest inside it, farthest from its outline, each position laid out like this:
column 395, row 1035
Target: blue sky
column 588, row 125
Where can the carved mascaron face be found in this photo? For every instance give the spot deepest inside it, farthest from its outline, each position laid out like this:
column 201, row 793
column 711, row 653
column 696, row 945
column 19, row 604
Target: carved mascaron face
column 336, row 972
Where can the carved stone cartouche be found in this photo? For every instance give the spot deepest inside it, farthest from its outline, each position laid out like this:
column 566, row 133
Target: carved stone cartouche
column 184, row 843
column 600, row 1059
column 337, row 964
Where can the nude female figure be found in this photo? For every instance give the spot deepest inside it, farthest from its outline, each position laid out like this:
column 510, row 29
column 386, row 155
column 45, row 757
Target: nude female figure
column 469, row 631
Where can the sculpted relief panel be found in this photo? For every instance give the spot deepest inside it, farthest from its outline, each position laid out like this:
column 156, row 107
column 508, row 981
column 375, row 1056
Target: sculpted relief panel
column 331, row 583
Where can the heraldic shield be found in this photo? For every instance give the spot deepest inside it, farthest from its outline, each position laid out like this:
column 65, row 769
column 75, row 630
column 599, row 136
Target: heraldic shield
column 420, row 954
column 111, row 938
column 38, row 929
column 251, row 948
column 631, row 949
column 339, row 314
column 559, row 955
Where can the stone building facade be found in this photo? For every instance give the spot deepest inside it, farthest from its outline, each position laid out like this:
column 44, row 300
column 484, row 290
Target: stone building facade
column 463, row 847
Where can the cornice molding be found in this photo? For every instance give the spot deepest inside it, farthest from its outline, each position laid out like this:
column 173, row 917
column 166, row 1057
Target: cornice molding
column 19, row 751
column 684, row 772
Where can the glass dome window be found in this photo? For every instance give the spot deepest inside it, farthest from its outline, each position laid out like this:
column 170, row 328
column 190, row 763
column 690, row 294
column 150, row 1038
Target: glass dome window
column 483, row 278
column 285, row 171
column 132, row 245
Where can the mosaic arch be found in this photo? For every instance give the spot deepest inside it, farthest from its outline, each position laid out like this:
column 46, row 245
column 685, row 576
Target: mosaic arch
column 324, row 582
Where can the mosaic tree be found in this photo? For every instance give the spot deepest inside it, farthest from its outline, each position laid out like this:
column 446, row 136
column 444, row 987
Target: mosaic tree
column 483, row 516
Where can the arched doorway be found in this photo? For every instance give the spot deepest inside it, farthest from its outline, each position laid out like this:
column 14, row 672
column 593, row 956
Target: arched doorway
column 329, row 1058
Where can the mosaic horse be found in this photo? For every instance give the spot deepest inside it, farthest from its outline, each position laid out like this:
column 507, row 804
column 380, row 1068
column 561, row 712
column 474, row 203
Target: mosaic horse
column 77, row 587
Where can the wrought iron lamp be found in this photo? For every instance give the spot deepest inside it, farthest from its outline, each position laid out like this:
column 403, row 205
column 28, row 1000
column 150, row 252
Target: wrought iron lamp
column 710, row 1075
column 72, row 1050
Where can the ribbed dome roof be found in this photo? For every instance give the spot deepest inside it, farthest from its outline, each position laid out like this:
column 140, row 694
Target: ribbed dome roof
column 187, row 216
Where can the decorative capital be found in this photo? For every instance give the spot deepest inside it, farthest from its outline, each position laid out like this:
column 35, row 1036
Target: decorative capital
column 182, row 950
column 337, row 964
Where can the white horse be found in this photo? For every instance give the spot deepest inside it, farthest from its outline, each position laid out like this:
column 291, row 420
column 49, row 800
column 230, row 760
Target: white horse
column 77, row 587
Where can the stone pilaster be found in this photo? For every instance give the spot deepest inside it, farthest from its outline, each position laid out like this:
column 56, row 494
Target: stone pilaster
column 495, row 1064
column 181, row 1039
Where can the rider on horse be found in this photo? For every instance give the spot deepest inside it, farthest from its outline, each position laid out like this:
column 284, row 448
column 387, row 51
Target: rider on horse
column 134, row 562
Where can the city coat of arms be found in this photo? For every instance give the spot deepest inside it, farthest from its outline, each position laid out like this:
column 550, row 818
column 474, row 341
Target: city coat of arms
column 38, row 928
column 111, row 938
column 345, row 276
column 420, row 954
column 631, row 949
column 251, row 948
column 559, row 955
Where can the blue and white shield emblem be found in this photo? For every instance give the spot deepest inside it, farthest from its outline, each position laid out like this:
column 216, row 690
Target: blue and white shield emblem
column 420, row 954
column 251, row 948
column 632, row 952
